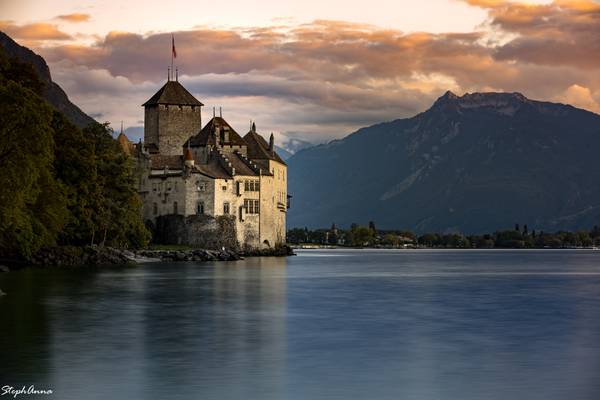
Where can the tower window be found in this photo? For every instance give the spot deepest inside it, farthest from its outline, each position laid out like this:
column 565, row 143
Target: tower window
column 175, row 207
column 200, row 208
column 226, row 208
column 155, row 208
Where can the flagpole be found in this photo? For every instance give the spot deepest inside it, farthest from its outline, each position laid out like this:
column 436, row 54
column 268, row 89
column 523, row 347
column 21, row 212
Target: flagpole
column 172, row 45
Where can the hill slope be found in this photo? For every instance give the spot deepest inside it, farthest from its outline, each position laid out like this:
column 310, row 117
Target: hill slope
column 474, row 163
column 53, row 93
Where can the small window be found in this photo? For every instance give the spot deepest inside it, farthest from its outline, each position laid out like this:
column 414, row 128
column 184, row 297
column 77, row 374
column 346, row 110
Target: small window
column 200, row 208
column 175, row 207
column 155, row 208
column 226, row 208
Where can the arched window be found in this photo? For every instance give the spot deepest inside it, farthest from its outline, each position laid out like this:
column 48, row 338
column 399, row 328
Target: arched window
column 200, row 208
column 174, row 207
column 226, row 208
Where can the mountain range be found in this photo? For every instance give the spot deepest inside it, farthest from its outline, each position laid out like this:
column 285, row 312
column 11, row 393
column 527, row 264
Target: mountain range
column 474, row 163
column 52, row 93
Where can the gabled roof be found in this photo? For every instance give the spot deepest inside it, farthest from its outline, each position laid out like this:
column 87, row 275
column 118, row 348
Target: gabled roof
column 159, row 161
column 214, row 169
column 206, row 135
column 258, row 148
column 174, row 93
column 241, row 168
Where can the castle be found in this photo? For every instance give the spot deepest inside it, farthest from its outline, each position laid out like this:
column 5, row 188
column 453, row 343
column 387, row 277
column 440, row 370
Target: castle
column 211, row 172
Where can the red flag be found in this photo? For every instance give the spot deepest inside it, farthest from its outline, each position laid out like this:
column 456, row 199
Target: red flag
column 173, row 42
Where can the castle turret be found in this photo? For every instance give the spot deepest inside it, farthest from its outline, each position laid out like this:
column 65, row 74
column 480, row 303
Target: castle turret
column 171, row 116
column 188, row 158
column 124, row 142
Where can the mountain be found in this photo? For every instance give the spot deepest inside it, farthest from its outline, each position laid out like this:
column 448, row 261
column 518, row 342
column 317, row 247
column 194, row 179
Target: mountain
column 473, row 164
column 283, row 153
column 293, row 144
column 52, row 92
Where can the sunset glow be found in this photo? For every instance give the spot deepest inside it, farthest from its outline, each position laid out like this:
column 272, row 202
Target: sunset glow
column 309, row 70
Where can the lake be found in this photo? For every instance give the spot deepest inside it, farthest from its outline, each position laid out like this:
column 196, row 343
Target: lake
column 326, row 324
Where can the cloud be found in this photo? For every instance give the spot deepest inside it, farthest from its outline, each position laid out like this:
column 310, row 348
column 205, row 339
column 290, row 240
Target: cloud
column 558, row 33
column 74, row 18
column 579, row 97
column 36, row 31
column 327, row 78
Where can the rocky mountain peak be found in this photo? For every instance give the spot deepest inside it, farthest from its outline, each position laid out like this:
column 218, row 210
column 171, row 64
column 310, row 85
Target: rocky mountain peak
column 502, row 103
column 472, row 163
column 52, row 92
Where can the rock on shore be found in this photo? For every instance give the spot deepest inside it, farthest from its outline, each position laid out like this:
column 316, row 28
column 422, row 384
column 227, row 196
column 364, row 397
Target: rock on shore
column 97, row 255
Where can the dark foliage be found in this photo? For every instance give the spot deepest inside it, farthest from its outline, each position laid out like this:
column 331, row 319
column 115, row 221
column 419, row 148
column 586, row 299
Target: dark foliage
column 60, row 185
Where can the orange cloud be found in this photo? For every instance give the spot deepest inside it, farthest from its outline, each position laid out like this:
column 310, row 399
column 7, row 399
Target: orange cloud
column 340, row 53
column 36, row 31
column 339, row 73
column 75, row 17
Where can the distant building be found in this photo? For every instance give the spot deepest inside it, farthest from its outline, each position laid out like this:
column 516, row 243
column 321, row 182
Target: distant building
column 212, row 171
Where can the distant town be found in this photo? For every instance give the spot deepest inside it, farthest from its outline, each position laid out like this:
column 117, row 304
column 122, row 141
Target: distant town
column 521, row 237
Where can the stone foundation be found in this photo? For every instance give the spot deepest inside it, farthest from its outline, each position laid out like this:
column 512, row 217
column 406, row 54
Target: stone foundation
column 200, row 231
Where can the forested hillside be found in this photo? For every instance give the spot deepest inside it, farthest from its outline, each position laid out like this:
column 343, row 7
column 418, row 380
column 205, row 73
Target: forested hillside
column 59, row 184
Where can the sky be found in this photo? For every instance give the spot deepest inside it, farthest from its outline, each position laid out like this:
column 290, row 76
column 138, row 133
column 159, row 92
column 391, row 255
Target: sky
column 311, row 71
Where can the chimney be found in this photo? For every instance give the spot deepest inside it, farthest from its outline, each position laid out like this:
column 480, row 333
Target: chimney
column 271, row 143
column 216, row 134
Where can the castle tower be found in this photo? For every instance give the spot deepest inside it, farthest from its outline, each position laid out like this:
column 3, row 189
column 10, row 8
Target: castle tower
column 171, row 116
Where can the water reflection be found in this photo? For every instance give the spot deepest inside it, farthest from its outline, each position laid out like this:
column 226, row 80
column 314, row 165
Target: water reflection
column 157, row 331
column 323, row 325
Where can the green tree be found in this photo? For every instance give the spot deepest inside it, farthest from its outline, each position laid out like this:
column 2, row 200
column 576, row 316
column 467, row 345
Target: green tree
column 391, row 240
column 362, row 236
column 32, row 206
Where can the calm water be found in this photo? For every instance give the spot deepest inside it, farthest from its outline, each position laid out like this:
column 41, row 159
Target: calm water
column 327, row 324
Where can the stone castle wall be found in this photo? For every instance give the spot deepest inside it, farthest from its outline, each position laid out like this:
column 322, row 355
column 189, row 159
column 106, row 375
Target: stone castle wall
column 151, row 125
column 169, row 126
column 202, row 231
column 160, row 193
column 273, row 204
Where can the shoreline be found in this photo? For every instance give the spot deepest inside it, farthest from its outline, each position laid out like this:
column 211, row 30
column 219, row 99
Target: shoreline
column 90, row 256
column 334, row 247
